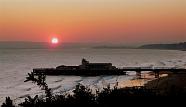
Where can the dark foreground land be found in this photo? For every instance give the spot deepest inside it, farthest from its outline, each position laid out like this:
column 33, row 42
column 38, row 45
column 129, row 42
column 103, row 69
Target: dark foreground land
column 165, row 90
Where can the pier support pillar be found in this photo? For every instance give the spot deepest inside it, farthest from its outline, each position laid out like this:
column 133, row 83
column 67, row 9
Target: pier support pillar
column 156, row 73
column 138, row 74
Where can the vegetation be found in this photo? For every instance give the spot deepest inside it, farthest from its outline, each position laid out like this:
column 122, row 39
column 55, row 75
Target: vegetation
column 8, row 103
column 83, row 96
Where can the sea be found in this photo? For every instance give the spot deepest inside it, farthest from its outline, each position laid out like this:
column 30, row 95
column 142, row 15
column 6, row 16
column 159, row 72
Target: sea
column 15, row 64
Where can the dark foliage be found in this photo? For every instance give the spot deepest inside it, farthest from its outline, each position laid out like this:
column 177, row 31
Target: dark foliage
column 83, row 96
column 8, row 103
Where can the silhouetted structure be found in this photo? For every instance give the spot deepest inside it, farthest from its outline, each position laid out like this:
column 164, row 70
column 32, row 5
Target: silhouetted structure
column 86, row 69
column 94, row 69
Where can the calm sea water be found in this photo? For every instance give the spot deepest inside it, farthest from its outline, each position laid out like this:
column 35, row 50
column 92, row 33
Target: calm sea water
column 16, row 63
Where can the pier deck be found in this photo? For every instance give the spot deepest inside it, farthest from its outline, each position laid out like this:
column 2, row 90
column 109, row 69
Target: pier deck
column 119, row 71
column 156, row 70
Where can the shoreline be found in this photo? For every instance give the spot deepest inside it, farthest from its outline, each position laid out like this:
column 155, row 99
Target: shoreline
column 169, row 84
column 173, row 83
column 145, row 78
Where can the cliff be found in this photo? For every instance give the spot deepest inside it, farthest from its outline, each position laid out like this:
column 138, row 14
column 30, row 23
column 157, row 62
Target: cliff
column 176, row 46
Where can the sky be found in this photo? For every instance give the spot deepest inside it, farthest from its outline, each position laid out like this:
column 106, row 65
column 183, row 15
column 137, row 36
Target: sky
column 107, row 21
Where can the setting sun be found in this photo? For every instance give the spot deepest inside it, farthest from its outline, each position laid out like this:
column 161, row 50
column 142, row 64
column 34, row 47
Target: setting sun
column 54, row 40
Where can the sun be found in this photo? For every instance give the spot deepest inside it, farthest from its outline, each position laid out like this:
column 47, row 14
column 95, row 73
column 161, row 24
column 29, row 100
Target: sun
column 54, row 40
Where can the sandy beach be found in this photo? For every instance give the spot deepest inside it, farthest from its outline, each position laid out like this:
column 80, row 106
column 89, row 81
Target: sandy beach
column 174, row 83
column 136, row 81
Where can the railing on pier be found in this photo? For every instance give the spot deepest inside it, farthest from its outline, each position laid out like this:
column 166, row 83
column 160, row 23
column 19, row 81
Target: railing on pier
column 152, row 68
column 156, row 70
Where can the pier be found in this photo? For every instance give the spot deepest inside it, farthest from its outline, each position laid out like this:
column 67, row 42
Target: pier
column 95, row 69
column 118, row 71
column 155, row 70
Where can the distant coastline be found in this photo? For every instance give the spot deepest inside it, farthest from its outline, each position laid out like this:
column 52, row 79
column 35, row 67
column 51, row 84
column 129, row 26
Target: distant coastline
column 113, row 47
column 45, row 45
column 174, row 46
column 42, row 45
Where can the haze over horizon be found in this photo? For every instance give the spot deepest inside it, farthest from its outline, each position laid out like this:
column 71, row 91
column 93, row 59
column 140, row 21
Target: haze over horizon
column 94, row 21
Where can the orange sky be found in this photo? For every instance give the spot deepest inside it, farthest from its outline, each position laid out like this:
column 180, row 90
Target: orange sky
column 117, row 21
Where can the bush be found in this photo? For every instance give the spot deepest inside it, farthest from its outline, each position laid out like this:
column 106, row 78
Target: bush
column 83, row 96
column 8, row 103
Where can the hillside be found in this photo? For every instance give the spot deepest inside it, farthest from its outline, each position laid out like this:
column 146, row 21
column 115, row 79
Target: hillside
column 176, row 46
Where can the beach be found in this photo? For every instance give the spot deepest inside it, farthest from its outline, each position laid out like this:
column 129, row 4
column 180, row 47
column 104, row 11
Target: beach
column 173, row 84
